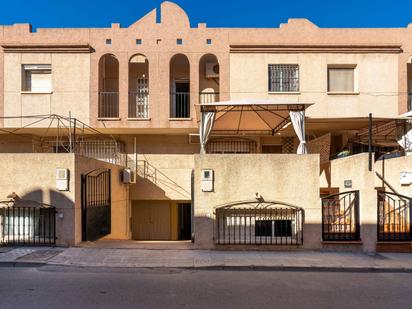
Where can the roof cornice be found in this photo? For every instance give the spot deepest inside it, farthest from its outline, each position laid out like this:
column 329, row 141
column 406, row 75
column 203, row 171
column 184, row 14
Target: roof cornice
column 363, row 49
column 46, row 48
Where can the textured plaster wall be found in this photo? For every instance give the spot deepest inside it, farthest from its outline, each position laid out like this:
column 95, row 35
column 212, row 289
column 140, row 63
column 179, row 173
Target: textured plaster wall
column 292, row 179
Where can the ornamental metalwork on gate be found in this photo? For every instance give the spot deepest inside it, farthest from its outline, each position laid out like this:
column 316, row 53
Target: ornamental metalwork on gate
column 394, row 217
column 258, row 223
column 340, row 217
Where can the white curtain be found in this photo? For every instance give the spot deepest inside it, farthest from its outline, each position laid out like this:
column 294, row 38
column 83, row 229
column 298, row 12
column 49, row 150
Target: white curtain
column 206, row 125
column 406, row 142
column 298, row 122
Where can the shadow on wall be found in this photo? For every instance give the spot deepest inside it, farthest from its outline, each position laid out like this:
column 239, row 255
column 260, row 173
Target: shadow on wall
column 206, row 237
column 65, row 211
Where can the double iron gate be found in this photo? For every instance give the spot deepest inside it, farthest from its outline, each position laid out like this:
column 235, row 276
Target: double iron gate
column 24, row 225
column 96, row 204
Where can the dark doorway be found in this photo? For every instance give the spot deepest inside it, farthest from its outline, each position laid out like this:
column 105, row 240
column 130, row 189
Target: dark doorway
column 185, row 221
column 96, row 204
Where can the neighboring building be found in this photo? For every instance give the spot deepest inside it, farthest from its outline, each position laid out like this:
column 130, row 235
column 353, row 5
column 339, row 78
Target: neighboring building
column 134, row 97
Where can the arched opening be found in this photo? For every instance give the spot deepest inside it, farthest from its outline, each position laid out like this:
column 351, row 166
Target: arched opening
column 138, row 87
column 108, row 87
column 209, row 85
column 179, row 87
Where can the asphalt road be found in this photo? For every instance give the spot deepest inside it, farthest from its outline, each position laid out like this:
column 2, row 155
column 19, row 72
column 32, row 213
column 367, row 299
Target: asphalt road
column 56, row 287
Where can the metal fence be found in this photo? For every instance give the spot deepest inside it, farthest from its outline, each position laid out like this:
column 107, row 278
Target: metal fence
column 27, row 226
column 340, row 217
column 108, row 105
column 139, row 104
column 259, row 223
column 208, row 97
column 394, row 217
column 180, row 105
column 231, row 146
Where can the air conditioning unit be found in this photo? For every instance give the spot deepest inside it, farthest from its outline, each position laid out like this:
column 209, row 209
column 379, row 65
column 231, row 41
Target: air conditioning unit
column 62, row 179
column 128, row 176
column 212, row 70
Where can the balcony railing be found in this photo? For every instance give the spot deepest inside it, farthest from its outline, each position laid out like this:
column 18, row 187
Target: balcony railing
column 180, row 105
column 139, row 104
column 208, row 97
column 108, row 105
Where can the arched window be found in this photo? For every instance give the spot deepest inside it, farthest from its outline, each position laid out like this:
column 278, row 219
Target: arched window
column 179, row 87
column 138, row 87
column 209, row 79
column 108, row 87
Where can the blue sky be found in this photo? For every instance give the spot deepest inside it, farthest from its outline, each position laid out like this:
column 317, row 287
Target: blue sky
column 216, row 13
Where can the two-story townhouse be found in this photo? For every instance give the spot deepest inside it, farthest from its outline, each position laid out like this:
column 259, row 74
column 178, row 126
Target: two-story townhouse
column 135, row 96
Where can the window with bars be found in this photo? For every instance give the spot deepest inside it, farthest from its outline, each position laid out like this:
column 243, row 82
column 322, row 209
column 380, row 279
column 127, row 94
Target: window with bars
column 283, row 78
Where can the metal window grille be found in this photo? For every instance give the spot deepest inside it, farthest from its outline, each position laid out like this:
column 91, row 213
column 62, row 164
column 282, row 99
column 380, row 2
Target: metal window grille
column 340, row 217
column 23, row 225
column 255, row 223
column 394, row 217
column 139, row 100
column 231, row 146
column 283, row 77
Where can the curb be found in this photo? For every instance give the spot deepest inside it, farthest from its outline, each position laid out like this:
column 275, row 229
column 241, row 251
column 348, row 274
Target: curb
column 243, row 268
column 22, row 264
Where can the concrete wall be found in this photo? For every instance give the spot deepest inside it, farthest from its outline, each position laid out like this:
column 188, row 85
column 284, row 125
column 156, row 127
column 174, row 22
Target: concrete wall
column 17, row 176
column 376, row 86
column 292, row 179
column 392, row 169
column 70, row 87
column 356, row 169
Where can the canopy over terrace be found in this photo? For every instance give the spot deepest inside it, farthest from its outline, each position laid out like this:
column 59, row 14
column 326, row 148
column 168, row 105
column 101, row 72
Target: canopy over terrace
column 251, row 117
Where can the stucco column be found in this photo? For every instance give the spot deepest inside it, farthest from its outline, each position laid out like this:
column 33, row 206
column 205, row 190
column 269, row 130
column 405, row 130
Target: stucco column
column 194, row 83
column 123, row 85
column 224, row 78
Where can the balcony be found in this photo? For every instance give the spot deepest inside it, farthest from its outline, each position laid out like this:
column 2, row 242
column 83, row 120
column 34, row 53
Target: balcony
column 180, row 105
column 139, row 104
column 208, row 97
column 108, row 104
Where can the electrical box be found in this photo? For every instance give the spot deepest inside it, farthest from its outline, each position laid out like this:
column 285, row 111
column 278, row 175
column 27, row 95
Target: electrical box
column 406, row 178
column 128, row 176
column 62, row 179
column 207, row 180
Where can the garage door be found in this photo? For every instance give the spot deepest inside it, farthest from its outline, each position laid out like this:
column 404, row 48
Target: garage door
column 151, row 220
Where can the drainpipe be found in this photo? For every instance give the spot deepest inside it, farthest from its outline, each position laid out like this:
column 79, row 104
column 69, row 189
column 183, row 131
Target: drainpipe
column 370, row 141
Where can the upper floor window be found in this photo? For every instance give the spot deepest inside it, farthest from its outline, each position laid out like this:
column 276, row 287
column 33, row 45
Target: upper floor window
column 37, row 78
column 108, row 41
column 341, row 79
column 179, row 41
column 283, row 78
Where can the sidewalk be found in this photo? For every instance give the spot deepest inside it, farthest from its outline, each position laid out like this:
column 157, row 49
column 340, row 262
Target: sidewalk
column 205, row 259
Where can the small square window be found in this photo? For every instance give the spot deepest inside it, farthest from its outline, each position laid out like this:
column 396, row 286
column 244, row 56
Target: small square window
column 138, row 41
column 341, row 79
column 37, row 78
column 108, row 41
column 179, row 41
column 209, row 41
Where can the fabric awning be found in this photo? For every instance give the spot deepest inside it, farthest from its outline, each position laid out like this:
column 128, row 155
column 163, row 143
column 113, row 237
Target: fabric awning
column 250, row 117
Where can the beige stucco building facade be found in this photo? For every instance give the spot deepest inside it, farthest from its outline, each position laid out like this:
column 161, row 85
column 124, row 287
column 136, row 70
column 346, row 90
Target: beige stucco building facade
column 132, row 97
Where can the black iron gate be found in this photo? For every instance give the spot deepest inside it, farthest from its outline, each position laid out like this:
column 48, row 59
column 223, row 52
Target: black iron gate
column 96, row 204
column 24, row 225
column 394, row 217
column 340, row 217
column 259, row 223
